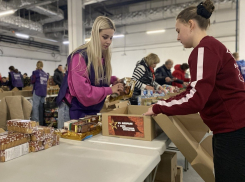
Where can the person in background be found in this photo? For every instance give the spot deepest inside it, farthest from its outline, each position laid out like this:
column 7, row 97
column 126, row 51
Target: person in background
column 236, row 56
column 15, row 78
column 87, row 82
column 164, row 76
column 58, row 75
column 144, row 76
column 4, row 81
column 216, row 91
column 179, row 73
column 39, row 79
column 27, row 81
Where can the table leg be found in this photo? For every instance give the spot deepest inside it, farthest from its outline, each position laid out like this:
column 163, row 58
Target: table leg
column 149, row 177
column 186, row 165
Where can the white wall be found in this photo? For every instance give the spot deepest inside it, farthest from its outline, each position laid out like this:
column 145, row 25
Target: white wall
column 25, row 58
column 138, row 44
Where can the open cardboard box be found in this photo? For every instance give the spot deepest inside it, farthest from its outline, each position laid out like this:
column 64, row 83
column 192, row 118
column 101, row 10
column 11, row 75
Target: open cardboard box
column 187, row 133
column 5, row 93
column 129, row 122
column 24, row 93
column 110, row 106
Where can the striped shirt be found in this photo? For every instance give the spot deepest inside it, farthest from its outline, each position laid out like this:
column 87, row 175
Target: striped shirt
column 139, row 73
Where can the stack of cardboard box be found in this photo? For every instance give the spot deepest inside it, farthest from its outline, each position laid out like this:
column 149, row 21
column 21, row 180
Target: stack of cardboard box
column 168, row 171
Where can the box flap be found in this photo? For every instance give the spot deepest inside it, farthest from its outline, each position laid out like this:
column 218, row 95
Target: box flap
column 203, row 165
column 133, row 109
column 15, row 89
column 2, row 130
column 207, row 145
column 194, row 124
column 178, row 135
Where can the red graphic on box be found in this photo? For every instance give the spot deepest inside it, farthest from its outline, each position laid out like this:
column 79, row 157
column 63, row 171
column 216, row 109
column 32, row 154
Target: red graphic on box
column 126, row 126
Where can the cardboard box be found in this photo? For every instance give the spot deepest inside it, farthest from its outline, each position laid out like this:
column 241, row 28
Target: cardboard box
column 187, row 133
column 167, row 168
column 24, row 93
column 27, row 88
column 129, row 122
column 110, row 106
column 5, row 94
column 179, row 176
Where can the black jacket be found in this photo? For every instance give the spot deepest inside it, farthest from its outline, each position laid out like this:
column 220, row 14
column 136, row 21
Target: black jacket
column 161, row 73
column 58, row 77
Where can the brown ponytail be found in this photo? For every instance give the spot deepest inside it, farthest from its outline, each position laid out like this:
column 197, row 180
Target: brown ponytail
column 201, row 14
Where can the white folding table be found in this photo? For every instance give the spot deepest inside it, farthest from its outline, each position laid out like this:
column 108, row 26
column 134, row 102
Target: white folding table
column 76, row 161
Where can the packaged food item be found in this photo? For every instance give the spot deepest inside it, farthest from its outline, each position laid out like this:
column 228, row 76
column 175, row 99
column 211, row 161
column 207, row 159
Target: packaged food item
column 14, row 152
column 127, row 93
column 56, row 139
column 94, row 118
column 36, row 146
column 77, row 136
column 22, row 126
column 67, row 125
column 10, row 140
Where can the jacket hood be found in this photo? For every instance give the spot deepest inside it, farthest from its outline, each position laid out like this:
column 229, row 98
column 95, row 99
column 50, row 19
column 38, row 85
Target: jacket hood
column 177, row 67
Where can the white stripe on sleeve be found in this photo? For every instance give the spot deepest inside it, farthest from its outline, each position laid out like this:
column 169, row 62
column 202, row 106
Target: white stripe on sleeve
column 193, row 84
column 200, row 58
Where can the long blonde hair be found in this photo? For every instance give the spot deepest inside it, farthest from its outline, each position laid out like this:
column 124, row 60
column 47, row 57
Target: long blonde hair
column 39, row 65
column 95, row 53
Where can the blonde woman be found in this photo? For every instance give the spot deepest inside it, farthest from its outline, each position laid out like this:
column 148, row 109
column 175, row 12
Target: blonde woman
column 86, row 84
column 39, row 80
column 144, row 76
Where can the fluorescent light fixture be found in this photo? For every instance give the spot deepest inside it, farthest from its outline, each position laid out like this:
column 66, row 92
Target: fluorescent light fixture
column 7, row 12
column 22, row 35
column 117, row 36
column 86, row 40
column 155, row 31
column 66, row 42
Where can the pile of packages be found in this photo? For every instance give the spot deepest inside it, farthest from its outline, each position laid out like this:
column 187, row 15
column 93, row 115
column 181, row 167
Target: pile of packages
column 127, row 93
column 82, row 128
column 25, row 136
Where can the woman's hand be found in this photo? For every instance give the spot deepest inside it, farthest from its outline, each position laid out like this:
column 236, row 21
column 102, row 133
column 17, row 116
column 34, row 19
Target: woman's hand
column 117, row 88
column 118, row 81
column 149, row 112
column 149, row 88
column 163, row 90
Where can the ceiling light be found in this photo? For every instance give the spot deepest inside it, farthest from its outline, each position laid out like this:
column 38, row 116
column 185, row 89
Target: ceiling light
column 66, row 42
column 117, row 36
column 7, row 12
column 155, row 31
column 22, row 35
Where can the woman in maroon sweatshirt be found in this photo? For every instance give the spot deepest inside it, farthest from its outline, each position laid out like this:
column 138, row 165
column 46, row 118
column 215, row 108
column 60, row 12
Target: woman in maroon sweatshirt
column 216, row 91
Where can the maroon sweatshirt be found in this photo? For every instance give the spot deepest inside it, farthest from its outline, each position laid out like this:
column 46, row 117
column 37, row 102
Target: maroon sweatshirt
column 216, row 90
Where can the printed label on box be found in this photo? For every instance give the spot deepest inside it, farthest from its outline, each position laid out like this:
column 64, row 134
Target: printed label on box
column 126, row 126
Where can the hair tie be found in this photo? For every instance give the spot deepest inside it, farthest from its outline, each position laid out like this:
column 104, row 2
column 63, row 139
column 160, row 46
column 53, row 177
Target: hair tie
column 202, row 11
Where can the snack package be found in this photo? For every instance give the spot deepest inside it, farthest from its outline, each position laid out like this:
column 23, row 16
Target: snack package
column 56, row 140
column 77, row 136
column 36, row 146
column 14, row 152
column 9, row 140
column 68, row 124
column 127, row 93
column 22, row 126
